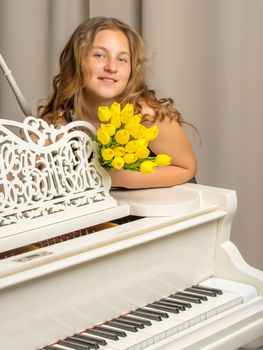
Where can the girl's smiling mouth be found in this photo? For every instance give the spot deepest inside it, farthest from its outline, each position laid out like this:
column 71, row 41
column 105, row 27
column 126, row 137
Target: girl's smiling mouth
column 108, row 80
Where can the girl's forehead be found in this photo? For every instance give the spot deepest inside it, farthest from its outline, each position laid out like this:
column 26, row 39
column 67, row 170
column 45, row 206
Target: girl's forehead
column 111, row 37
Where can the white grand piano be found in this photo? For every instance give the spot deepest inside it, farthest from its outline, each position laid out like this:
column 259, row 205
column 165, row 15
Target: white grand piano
column 83, row 267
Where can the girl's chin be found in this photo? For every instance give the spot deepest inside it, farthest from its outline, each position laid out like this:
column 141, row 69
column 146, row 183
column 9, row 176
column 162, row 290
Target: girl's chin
column 107, row 99
column 103, row 96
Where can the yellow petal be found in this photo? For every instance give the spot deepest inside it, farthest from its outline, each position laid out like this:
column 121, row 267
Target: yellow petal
column 117, row 163
column 118, row 151
column 163, row 159
column 103, row 137
column 151, row 133
column 122, row 136
column 108, row 128
column 107, row 154
column 104, row 113
column 142, row 152
column 147, row 167
column 115, row 109
column 130, row 158
column 127, row 112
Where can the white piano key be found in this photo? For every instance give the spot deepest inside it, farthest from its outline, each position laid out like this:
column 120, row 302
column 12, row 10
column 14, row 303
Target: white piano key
column 157, row 331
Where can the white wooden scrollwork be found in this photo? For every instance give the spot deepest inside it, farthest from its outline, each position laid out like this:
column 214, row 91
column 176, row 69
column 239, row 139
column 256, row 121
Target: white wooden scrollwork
column 44, row 170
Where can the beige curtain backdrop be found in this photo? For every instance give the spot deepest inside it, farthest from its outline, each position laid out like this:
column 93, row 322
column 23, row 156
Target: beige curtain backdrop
column 206, row 54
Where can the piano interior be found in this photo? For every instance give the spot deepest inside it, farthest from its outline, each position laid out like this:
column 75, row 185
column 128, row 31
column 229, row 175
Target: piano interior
column 84, row 266
column 67, row 236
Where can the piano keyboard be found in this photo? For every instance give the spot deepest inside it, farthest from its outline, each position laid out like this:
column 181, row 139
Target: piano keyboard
column 148, row 325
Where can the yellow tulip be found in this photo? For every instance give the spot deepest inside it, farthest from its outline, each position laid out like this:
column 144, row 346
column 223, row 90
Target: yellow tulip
column 107, row 154
column 138, row 131
column 122, row 136
column 142, row 142
column 130, row 158
column 131, row 146
column 118, row 151
column 127, row 112
column 136, row 118
column 151, row 133
column 104, row 113
column 117, row 163
column 147, row 167
column 129, row 126
column 116, row 120
column 115, row 109
column 142, row 152
column 103, row 137
column 108, row 128
column 163, row 159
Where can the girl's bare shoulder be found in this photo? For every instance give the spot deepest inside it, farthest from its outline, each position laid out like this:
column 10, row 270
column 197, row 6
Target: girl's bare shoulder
column 145, row 109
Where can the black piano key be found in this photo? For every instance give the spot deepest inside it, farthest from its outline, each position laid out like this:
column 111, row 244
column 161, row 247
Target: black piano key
column 51, row 347
column 177, row 301
column 135, row 323
column 122, row 325
column 190, row 300
column 111, row 331
column 157, row 313
column 142, row 321
column 161, row 307
column 147, row 316
column 217, row 291
column 201, row 291
column 190, row 295
column 91, row 344
column 90, row 338
column 172, row 303
column 175, row 309
column 72, row 345
column 102, row 334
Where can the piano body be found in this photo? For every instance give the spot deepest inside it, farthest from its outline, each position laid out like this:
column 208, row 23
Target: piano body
column 75, row 255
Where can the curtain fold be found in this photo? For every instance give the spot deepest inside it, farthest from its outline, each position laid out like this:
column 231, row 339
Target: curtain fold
column 32, row 34
column 206, row 55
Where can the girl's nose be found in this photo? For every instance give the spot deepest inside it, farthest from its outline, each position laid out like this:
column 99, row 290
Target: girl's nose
column 111, row 65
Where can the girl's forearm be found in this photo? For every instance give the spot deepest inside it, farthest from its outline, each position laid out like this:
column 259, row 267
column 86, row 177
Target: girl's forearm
column 162, row 177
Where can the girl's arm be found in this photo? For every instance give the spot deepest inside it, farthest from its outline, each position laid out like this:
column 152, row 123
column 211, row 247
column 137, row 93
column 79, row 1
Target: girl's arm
column 173, row 141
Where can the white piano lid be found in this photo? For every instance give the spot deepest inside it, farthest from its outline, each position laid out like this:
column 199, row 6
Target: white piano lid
column 169, row 201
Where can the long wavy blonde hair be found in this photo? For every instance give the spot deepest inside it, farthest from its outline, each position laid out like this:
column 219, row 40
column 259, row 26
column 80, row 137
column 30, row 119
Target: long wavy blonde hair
column 68, row 92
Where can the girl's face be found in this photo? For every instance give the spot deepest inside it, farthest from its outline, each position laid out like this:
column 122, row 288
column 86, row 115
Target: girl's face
column 107, row 66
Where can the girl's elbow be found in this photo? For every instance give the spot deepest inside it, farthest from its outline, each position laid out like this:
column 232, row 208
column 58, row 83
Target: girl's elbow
column 192, row 170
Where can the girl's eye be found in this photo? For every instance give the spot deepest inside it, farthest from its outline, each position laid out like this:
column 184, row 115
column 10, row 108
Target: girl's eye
column 123, row 60
column 99, row 55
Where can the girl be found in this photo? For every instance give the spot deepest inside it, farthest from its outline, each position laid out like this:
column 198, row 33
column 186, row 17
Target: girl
column 103, row 62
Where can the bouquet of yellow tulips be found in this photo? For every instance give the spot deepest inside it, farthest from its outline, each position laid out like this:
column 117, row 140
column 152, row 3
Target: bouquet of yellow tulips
column 123, row 140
